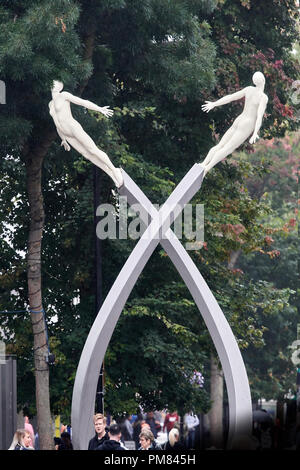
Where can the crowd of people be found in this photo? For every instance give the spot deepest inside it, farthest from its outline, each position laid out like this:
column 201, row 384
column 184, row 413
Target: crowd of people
column 150, row 431
column 144, row 431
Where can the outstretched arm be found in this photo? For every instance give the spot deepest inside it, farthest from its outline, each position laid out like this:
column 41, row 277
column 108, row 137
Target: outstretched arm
column 226, row 99
column 88, row 104
column 260, row 114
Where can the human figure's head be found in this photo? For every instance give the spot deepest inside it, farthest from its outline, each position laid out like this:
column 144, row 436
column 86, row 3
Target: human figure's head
column 258, row 79
column 114, row 432
column 146, row 438
column 66, row 439
column 18, row 439
column 150, row 415
column 27, row 439
column 173, row 436
column 99, row 423
column 57, row 86
column 145, row 425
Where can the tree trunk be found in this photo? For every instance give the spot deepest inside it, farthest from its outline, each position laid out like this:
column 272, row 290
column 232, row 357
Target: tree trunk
column 216, row 411
column 34, row 157
column 217, row 384
column 34, row 164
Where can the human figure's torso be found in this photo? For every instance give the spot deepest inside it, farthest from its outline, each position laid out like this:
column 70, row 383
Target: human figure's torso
column 253, row 98
column 60, row 110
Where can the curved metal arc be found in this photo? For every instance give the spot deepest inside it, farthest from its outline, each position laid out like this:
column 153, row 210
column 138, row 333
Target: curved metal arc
column 96, row 344
column 239, row 397
column 98, row 339
column 240, row 406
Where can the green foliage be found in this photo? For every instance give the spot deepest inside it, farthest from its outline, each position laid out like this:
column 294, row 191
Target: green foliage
column 276, row 262
column 157, row 344
column 248, row 39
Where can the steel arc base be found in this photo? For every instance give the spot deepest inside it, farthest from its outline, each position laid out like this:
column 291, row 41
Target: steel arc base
column 158, row 231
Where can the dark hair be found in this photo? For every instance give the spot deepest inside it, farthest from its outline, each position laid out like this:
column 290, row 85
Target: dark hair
column 66, row 440
column 114, row 429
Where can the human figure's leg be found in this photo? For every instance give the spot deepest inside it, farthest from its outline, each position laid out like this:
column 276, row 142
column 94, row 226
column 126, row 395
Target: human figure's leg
column 77, row 145
column 100, row 159
column 237, row 138
column 226, row 137
column 86, row 146
column 218, row 156
column 115, row 174
column 109, row 168
column 193, row 435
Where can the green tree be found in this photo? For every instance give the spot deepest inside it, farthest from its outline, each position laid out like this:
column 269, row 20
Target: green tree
column 276, row 261
column 38, row 40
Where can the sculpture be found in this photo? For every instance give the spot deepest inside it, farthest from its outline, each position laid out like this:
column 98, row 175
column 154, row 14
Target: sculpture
column 71, row 132
column 159, row 231
column 247, row 123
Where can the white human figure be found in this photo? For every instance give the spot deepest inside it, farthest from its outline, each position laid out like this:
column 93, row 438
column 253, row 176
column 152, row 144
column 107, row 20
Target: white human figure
column 247, row 123
column 71, row 132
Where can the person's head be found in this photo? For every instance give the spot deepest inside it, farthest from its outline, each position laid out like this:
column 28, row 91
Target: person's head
column 63, row 428
column 99, row 423
column 258, row 79
column 150, row 415
column 18, row 439
column 66, row 439
column 145, row 425
column 146, row 438
column 27, row 439
column 173, row 436
column 57, row 86
column 115, row 432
